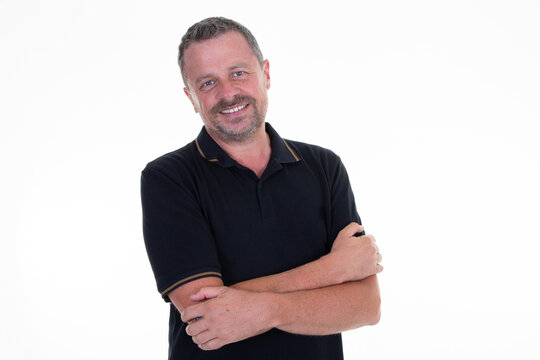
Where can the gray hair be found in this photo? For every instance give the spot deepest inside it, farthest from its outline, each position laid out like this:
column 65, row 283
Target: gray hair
column 211, row 28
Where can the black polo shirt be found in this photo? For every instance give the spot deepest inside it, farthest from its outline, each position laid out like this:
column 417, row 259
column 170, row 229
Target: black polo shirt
column 206, row 215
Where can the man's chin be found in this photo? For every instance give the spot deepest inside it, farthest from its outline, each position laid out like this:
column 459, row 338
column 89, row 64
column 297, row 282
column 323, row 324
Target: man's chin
column 237, row 133
column 236, row 136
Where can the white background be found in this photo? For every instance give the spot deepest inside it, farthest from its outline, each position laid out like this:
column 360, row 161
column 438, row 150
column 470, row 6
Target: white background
column 432, row 105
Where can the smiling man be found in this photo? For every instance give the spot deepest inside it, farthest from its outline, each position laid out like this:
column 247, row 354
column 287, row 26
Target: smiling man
column 254, row 239
column 232, row 108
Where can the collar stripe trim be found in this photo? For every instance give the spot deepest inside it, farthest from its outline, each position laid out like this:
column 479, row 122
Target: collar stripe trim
column 201, row 152
column 189, row 278
column 292, row 152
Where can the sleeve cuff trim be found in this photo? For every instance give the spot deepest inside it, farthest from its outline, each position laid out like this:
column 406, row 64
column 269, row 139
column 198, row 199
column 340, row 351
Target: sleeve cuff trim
column 189, row 278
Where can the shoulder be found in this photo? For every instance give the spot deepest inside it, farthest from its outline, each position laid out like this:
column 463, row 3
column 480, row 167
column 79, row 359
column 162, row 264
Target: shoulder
column 314, row 154
column 322, row 162
column 178, row 169
column 174, row 174
column 174, row 162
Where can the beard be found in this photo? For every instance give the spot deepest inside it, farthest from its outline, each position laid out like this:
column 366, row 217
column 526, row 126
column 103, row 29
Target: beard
column 223, row 129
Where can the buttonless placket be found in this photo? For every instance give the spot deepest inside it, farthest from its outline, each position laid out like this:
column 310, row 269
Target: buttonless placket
column 266, row 209
column 265, row 201
column 255, row 184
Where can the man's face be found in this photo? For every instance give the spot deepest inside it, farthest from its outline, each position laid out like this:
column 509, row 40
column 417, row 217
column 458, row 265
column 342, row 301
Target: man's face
column 227, row 86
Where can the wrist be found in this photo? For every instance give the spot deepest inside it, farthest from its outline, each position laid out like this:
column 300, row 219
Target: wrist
column 274, row 308
column 336, row 272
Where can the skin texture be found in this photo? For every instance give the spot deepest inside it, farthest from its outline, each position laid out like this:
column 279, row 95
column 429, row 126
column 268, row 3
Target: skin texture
column 231, row 315
column 337, row 292
column 222, row 74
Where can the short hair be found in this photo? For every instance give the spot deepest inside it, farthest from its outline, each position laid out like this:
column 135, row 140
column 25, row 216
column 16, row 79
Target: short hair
column 211, row 28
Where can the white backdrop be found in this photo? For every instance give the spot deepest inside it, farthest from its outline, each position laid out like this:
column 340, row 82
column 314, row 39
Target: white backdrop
column 432, row 105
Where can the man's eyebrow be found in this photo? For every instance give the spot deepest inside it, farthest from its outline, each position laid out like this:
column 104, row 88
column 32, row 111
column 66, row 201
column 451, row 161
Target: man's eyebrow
column 236, row 66
column 201, row 78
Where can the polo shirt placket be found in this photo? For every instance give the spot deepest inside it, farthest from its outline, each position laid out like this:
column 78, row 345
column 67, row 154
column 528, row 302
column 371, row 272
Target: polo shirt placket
column 281, row 154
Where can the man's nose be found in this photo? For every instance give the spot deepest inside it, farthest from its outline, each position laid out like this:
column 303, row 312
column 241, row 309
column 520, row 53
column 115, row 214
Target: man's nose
column 227, row 90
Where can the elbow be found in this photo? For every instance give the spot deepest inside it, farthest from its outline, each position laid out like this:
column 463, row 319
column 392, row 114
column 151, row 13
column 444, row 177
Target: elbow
column 376, row 315
column 373, row 315
column 369, row 308
column 370, row 314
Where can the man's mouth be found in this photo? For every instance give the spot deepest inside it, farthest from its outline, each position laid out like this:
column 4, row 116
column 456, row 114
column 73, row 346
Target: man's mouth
column 233, row 110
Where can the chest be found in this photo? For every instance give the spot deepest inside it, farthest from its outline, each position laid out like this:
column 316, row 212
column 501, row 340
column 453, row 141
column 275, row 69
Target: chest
column 268, row 225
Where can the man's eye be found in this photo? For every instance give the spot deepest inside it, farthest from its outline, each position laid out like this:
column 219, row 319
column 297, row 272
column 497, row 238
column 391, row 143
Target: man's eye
column 208, row 83
column 238, row 73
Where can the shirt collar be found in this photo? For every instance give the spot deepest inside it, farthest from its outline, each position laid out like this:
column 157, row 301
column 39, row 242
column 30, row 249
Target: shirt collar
column 282, row 151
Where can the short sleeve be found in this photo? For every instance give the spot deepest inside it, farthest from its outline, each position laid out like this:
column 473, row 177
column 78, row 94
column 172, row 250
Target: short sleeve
column 177, row 237
column 343, row 206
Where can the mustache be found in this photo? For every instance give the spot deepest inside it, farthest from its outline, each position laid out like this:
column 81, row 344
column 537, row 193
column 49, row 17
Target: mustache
column 236, row 100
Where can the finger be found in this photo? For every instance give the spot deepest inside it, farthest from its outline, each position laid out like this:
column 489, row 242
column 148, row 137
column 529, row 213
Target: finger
column 190, row 314
column 203, row 337
column 371, row 238
column 207, row 293
column 213, row 344
column 195, row 328
column 198, row 296
column 379, row 258
column 352, row 229
column 379, row 268
column 196, row 319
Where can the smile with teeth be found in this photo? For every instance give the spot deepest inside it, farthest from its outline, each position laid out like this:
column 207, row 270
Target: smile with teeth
column 233, row 110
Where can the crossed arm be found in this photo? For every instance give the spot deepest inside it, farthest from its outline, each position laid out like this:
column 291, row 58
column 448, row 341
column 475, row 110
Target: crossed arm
column 337, row 292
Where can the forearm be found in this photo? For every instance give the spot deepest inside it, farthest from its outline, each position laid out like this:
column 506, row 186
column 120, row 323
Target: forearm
column 313, row 275
column 328, row 310
column 230, row 315
column 350, row 259
column 334, row 293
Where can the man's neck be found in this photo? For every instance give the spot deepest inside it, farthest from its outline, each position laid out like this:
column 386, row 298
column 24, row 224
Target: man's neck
column 253, row 153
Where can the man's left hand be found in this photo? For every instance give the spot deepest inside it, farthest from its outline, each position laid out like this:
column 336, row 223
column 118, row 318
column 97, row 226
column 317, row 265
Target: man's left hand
column 227, row 315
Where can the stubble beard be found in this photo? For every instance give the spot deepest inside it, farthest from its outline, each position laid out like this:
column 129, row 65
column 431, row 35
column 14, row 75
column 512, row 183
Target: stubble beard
column 225, row 133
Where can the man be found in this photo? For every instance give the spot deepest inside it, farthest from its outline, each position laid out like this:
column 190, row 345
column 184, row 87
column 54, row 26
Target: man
column 254, row 239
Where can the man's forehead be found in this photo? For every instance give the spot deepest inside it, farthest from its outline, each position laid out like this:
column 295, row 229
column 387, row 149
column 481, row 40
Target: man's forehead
column 225, row 50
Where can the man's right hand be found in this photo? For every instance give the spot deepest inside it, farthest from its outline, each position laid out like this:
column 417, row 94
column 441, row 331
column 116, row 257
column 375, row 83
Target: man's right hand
column 356, row 258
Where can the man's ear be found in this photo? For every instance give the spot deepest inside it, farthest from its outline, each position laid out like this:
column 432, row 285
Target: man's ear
column 266, row 70
column 190, row 97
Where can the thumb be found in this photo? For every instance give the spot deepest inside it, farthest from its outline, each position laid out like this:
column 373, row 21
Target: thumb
column 207, row 293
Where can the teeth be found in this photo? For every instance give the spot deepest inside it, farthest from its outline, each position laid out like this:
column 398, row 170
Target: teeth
column 233, row 110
